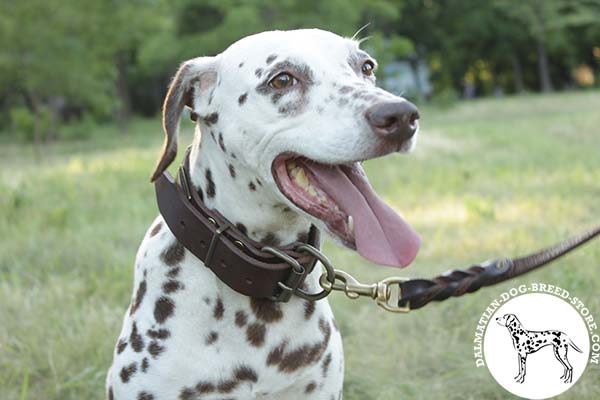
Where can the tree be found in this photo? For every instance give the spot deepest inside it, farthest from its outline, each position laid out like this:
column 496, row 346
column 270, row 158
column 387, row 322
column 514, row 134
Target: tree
column 546, row 22
column 49, row 57
column 126, row 24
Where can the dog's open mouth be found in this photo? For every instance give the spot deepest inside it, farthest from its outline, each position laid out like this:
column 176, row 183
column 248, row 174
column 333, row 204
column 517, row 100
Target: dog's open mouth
column 342, row 197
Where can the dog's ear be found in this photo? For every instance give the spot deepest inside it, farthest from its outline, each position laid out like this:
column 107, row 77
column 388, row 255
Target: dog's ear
column 194, row 78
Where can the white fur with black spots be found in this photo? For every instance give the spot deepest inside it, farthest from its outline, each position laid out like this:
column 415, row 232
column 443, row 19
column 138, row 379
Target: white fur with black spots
column 186, row 335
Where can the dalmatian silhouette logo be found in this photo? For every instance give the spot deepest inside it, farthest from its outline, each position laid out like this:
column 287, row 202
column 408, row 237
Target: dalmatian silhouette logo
column 527, row 342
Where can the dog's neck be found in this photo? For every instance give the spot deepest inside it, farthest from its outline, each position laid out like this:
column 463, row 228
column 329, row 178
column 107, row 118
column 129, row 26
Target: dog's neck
column 225, row 184
column 514, row 328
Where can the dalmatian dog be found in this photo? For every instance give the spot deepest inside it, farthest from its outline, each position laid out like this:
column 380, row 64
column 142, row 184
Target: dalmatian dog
column 528, row 342
column 283, row 120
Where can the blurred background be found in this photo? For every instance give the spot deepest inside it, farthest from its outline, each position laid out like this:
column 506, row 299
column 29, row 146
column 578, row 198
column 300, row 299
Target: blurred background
column 508, row 161
column 85, row 61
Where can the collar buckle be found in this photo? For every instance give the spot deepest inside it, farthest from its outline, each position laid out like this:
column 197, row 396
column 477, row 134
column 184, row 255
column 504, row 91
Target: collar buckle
column 294, row 279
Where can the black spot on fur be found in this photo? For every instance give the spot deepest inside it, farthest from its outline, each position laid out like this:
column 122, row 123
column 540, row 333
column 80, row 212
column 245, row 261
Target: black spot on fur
column 252, row 186
column 171, row 286
column 227, row 386
column 259, row 182
column 111, row 396
column 255, row 334
column 232, row 171
column 137, row 342
column 242, row 98
column 241, row 65
column 158, row 333
column 310, row 387
column 302, row 356
column 258, row 72
column 240, row 318
column 163, row 309
column 173, row 272
column 219, row 309
column 242, row 228
column 200, row 193
column 271, row 58
column 276, row 97
column 245, row 373
column 325, row 364
column 285, row 109
column 309, row 309
column 211, row 119
column 212, row 135
column 155, row 229
column 145, row 396
column 221, row 143
column 155, row 349
column 205, row 387
column 211, row 338
column 139, row 296
column 127, row 372
column 270, row 239
column 173, row 254
column 210, row 184
column 276, row 354
column 121, row 345
column 266, row 310
column 187, row 394
column 145, row 364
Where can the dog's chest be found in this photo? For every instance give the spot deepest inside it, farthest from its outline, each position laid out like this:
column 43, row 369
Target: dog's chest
column 188, row 331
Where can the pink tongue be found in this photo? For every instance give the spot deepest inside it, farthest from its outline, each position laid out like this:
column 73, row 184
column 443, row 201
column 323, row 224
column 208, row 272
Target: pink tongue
column 381, row 235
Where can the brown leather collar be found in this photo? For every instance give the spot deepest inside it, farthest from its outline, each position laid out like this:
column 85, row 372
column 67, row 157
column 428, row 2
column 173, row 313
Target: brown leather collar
column 242, row 264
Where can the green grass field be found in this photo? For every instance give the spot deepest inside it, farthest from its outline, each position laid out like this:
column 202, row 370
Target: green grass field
column 489, row 177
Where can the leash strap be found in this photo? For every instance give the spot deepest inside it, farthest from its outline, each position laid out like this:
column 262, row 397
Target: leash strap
column 416, row 293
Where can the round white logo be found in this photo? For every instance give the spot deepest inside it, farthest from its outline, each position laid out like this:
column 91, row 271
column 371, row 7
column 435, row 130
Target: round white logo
column 536, row 345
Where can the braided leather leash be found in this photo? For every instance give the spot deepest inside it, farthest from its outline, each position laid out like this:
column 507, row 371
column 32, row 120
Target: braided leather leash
column 416, row 293
column 413, row 294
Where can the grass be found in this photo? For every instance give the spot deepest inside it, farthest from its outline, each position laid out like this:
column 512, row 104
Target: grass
column 490, row 177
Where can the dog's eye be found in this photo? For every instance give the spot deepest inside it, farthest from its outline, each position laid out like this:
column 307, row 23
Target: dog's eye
column 282, row 81
column 368, row 67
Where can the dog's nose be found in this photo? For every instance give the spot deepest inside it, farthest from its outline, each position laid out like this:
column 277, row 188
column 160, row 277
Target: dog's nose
column 393, row 120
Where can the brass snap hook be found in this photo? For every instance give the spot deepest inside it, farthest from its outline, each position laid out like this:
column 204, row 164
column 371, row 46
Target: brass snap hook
column 380, row 291
column 384, row 293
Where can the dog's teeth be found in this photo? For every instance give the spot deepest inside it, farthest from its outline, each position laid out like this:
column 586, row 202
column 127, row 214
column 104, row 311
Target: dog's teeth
column 294, row 172
column 291, row 165
column 351, row 223
column 300, row 176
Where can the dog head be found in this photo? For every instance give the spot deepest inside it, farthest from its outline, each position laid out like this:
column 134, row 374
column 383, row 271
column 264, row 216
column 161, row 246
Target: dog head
column 508, row 320
column 300, row 109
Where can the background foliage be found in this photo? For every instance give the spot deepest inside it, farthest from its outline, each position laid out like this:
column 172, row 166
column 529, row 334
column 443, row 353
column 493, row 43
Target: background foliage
column 70, row 61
